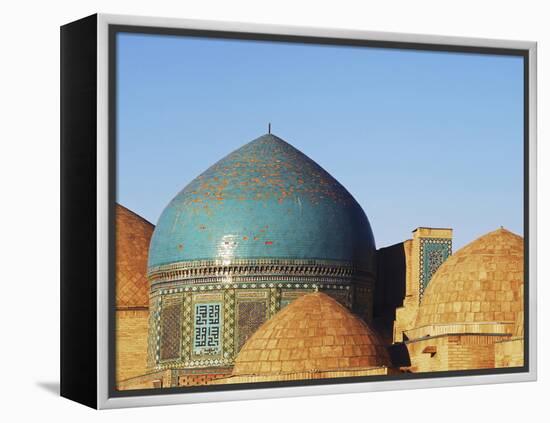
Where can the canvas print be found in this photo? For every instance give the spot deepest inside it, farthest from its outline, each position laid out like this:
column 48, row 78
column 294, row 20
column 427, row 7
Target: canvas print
column 297, row 212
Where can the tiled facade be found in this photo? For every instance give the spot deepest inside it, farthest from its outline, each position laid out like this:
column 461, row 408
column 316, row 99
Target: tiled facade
column 185, row 342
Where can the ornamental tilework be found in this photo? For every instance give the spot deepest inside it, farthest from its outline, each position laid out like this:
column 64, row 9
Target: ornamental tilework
column 274, row 301
column 207, row 329
column 187, row 326
column 342, row 296
column 216, row 344
column 433, row 253
column 250, row 315
column 229, row 326
column 154, row 334
column 170, row 321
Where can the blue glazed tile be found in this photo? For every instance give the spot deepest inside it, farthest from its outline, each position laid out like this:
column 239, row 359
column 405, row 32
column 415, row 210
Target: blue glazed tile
column 264, row 200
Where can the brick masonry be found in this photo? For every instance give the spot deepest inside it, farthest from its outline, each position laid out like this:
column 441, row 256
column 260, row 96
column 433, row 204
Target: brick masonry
column 133, row 235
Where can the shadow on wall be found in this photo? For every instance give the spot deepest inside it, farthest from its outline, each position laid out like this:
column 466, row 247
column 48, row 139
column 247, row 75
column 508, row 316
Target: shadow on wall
column 399, row 355
column 390, row 288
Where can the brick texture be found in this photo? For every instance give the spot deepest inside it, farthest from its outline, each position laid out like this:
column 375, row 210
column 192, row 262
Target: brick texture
column 132, row 293
column 133, row 234
column 132, row 328
column 483, row 282
column 313, row 334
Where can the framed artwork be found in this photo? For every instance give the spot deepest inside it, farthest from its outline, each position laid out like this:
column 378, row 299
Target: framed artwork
column 254, row 211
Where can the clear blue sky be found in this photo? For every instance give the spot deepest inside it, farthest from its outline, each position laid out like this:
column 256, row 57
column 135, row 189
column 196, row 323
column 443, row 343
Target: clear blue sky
column 418, row 138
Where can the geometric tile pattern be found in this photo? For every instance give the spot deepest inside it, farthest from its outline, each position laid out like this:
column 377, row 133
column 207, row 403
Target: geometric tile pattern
column 153, row 342
column 314, row 333
column 170, row 329
column 187, row 322
column 341, row 296
column 229, row 326
column 274, row 301
column 250, row 316
column 207, row 330
column 433, row 252
column 482, row 282
column 190, row 355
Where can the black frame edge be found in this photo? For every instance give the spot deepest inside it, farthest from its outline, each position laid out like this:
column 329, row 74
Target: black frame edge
column 78, row 266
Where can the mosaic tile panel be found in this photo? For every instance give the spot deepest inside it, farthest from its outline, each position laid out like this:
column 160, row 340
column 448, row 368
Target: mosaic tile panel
column 154, row 335
column 229, row 326
column 170, row 321
column 342, row 296
column 207, row 331
column 433, row 253
column 274, row 301
column 250, row 316
column 272, row 295
column 187, row 324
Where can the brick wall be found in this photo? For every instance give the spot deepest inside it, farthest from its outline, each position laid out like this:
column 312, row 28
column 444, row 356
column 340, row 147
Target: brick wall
column 468, row 352
column 429, row 361
column 131, row 349
column 199, row 379
column 453, row 352
column 509, row 353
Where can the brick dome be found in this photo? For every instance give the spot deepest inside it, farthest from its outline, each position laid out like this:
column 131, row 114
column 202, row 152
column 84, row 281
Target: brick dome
column 133, row 234
column 312, row 334
column 480, row 283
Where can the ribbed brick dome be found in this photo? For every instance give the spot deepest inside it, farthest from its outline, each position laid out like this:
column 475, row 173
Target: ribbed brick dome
column 482, row 282
column 133, row 234
column 312, row 334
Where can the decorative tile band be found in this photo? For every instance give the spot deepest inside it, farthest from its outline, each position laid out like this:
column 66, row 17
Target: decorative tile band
column 233, row 330
column 204, row 271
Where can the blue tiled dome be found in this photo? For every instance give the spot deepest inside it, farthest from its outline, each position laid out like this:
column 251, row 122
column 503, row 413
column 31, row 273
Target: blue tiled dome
column 264, row 200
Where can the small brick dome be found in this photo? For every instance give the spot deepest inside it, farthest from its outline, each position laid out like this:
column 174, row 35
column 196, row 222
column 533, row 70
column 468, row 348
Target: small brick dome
column 482, row 282
column 312, row 334
column 133, row 234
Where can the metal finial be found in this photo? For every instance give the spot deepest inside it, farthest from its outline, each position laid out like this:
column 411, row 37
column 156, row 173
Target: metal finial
column 269, row 128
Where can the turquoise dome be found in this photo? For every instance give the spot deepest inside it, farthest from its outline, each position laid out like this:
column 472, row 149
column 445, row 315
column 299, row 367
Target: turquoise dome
column 266, row 200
